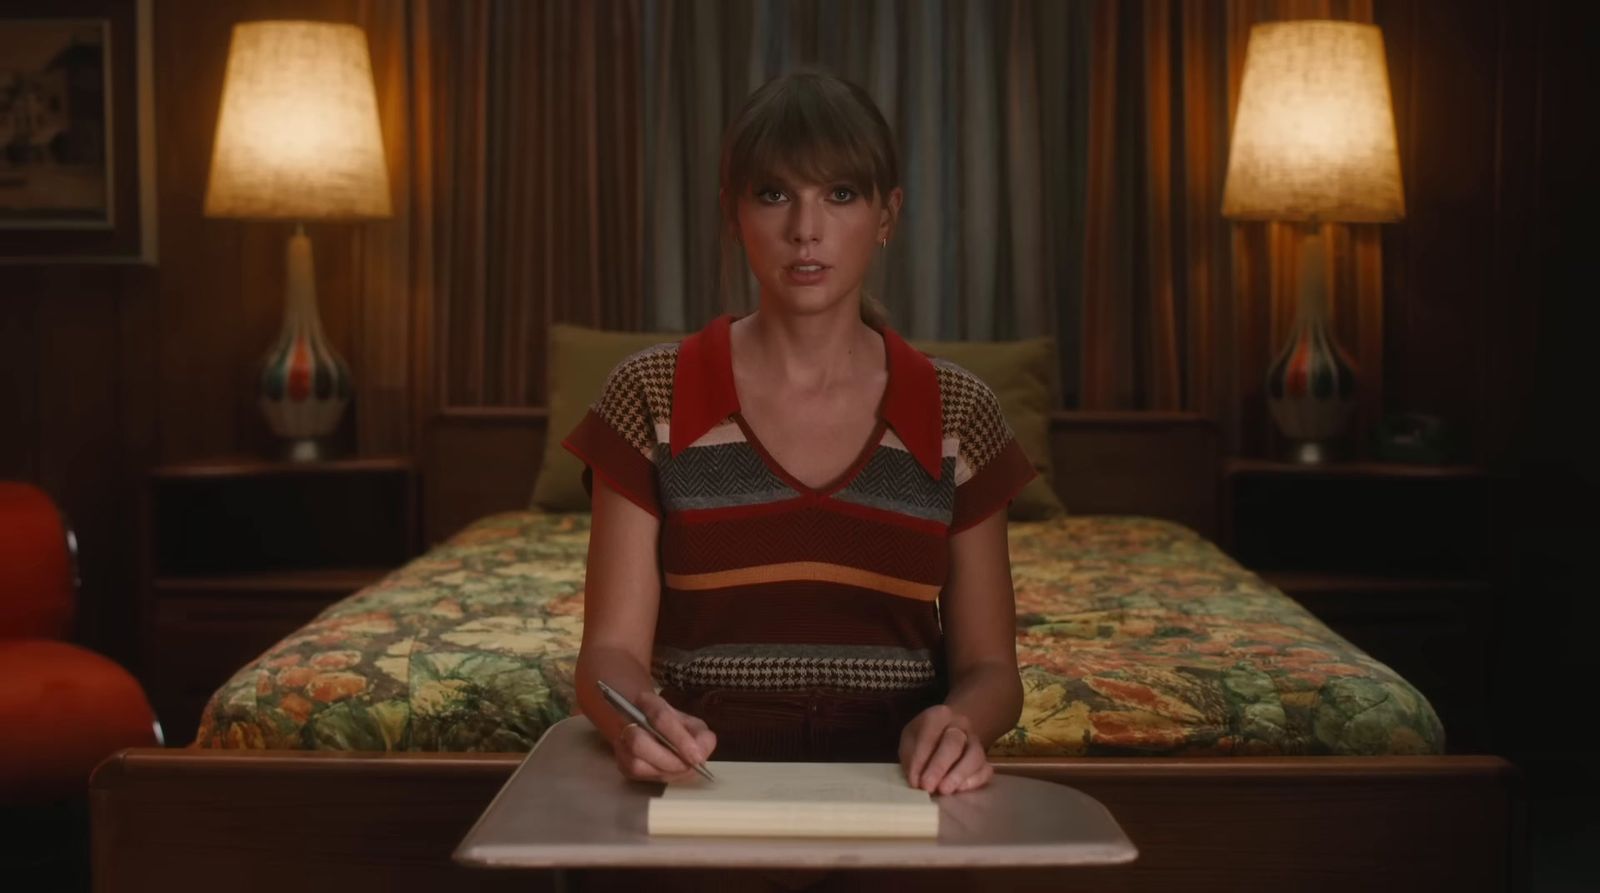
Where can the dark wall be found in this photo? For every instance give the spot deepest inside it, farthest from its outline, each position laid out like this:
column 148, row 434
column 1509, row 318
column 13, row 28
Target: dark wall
column 1553, row 614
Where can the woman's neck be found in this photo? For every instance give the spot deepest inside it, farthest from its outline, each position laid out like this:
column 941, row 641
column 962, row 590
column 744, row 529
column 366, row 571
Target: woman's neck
column 809, row 352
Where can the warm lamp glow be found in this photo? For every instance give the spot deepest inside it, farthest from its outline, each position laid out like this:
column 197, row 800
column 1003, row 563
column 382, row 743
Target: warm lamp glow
column 298, row 135
column 1314, row 138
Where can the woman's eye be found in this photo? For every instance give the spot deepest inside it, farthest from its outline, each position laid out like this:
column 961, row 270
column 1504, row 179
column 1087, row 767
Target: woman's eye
column 773, row 196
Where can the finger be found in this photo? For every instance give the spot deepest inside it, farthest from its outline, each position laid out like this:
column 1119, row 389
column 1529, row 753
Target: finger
column 674, row 726
column 639, row 770
column 706, row 740
column 917, row 742
column 703, row 736
column 631, row 766
column 972, row 759
column 983, row 777
column 908, row 748
column 635, row 769
column 701, row 740
column 644, row 746
column 952, row 742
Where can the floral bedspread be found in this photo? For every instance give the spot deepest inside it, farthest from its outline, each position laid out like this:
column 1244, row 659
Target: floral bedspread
column 1135, row 637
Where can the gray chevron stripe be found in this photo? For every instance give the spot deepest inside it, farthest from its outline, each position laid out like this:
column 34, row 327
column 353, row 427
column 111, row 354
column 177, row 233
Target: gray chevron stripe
column 729, row 499
column 716, row 476
column 894, row 481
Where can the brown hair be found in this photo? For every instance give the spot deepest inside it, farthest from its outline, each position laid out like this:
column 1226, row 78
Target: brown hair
column 822, row 128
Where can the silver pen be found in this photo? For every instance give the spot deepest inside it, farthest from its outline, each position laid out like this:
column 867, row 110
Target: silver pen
column 626, row 708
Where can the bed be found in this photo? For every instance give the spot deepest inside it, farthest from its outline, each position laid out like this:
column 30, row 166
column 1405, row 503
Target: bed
column 1237, row 738
column 1135, row 636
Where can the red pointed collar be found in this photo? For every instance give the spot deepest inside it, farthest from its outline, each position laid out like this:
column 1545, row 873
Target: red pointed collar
column 703, row 393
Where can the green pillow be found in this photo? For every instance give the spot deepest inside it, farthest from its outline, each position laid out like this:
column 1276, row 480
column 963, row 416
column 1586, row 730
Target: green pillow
column 575, row 370
column 1022, row 375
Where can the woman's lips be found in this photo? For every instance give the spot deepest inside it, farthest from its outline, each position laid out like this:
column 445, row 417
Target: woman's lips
column 806, row 277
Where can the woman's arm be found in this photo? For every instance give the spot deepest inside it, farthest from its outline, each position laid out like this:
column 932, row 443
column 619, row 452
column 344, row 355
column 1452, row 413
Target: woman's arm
column 944, row 747
column 622, row 593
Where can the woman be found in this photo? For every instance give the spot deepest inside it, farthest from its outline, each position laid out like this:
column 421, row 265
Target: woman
column 798, row 519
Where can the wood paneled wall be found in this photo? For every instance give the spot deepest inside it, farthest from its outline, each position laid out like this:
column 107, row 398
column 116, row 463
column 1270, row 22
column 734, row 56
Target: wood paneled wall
column 107, row 370
column 1460, row 302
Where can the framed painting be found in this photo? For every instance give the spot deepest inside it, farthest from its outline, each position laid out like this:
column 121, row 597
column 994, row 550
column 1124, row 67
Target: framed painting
column 77, row 147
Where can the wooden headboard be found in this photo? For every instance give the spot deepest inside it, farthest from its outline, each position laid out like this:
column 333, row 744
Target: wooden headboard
column 1163, row 464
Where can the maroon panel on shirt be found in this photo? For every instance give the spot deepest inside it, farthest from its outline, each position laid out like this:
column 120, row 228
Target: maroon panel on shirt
column 837, row 506
column 801, row 612
column 995, row 485
column 618, row 462
column 812, row 533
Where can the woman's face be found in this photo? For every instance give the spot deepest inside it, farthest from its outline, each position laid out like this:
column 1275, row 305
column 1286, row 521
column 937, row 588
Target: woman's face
column 810, row 244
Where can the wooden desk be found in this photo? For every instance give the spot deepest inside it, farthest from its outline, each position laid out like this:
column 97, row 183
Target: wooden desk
column 568, row 807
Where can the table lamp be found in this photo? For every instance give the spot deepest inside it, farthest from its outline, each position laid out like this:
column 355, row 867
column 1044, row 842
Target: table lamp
column 298, row 139
column 1313, row 143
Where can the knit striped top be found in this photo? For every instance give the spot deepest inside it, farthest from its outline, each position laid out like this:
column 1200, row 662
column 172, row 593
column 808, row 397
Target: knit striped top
column 767, row 583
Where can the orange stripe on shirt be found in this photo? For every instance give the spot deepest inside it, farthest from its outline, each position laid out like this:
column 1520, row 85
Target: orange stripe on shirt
column 789, row 571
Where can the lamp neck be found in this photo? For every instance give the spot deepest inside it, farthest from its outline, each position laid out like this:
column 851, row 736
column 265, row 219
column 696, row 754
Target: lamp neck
column 300, row 283
column 1312, row 273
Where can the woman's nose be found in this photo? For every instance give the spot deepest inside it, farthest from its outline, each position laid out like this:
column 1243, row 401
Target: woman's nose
column 804, row 223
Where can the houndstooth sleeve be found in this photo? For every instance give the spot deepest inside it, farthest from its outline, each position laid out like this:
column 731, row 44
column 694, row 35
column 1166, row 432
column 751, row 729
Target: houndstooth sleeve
column 617, row 437
column 990, row 466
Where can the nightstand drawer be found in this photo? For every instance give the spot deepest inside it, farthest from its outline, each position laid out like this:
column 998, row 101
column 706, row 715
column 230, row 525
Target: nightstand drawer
column 1371, row 519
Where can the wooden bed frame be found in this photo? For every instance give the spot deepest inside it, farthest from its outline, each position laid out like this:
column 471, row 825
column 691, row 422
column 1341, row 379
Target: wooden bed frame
column 354, row 821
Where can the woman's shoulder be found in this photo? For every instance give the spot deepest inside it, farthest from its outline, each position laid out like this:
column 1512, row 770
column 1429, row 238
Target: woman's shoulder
column 644, row 378
column 650, row 368
column 649, row 362
column 965, row 399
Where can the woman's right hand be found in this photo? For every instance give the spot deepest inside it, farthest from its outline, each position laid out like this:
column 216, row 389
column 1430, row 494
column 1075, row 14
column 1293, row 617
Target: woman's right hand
column 641, row 757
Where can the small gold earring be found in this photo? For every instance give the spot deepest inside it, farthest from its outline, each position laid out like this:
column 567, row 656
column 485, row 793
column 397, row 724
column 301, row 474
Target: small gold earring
column 883, row 243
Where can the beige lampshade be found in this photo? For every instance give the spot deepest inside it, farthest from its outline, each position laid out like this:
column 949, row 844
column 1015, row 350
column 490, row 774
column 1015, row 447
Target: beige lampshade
column 298, row 135
column 1313, row 137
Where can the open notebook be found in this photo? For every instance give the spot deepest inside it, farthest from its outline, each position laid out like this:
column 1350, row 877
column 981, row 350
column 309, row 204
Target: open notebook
column 796, row 800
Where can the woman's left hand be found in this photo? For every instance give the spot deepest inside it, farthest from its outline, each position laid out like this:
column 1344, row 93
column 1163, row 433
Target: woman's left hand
column 941, row 754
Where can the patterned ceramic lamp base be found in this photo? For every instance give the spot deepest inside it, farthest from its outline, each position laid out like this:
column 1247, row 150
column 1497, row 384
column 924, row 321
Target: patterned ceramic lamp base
column 1311, row 385
column 305, row 386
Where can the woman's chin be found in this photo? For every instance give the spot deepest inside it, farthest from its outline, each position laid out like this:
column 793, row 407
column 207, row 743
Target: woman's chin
column 804, row 300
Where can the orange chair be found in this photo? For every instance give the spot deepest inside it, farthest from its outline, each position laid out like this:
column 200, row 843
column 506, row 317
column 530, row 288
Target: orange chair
column 63, row 709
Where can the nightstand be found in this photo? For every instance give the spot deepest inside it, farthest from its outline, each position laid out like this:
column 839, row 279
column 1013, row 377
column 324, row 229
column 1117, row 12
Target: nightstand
column 241, row 552
column 1399, row 559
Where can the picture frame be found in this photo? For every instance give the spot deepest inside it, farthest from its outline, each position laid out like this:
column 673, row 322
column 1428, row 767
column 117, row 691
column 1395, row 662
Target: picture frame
column 77, row 132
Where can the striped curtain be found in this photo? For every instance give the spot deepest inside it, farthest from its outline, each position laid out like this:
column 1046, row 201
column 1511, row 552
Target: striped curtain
column 525, row 187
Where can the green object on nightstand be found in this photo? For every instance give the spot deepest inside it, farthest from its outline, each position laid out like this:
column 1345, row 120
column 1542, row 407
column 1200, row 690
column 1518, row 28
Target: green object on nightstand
column 1413, row 437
